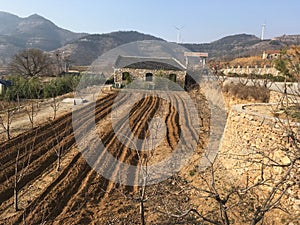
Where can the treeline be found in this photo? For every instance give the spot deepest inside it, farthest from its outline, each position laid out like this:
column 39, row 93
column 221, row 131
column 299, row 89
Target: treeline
column 34, row 88
column 270, row 77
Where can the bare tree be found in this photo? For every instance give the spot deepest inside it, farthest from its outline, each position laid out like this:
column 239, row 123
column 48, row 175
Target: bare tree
column 21, row 168
column 221, row 77
column 5, row 121
column 37, row 89
column 52, row 90
column 58, row 62
column 244, row 80
column 254, row 80
column 263, row 182
column 144, row 157
column 30, row 63
column 267, row 82
column 143, row 172
column 31, row 113
column 57, row 143
column 249, row 202
column 155, row 129
column 55, row 106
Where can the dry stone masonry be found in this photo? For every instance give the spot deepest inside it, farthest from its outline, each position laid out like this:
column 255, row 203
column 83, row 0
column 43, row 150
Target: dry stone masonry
column 247, row 133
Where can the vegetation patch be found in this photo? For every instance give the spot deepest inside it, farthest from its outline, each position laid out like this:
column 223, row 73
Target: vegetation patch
column 291, row 112
column 34, row 88
column 270, row 77
column 244, row 92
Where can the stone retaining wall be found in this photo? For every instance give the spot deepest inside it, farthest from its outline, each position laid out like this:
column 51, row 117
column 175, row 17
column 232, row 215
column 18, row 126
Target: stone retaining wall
column 247, row 129
column 275, row 97
column 248, row 132
column 251, row 70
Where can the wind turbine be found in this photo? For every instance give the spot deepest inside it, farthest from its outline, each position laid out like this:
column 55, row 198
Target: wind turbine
column 179, row 33
column 263, row 28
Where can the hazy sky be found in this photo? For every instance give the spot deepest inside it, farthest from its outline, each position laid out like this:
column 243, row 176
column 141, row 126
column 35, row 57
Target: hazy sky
column 202, row 21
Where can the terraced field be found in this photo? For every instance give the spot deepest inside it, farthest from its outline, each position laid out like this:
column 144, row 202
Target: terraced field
column 76, row 194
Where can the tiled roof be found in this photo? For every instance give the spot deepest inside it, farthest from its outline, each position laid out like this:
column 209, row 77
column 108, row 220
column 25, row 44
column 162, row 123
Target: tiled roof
column 272, row 52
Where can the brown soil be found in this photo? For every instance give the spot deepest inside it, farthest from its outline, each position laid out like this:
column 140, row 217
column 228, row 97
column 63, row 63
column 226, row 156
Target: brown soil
column 77, row 194
column 42, row 113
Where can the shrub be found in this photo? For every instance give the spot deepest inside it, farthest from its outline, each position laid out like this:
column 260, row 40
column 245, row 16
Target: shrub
column 87, row 80
column 258, row 93
column 61, row 85
column 24, row 88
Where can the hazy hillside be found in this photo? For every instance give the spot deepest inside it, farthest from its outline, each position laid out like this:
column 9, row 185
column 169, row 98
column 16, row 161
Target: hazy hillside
column 30, row 32
column 86, row 49
column 8, row 22
column 82, row 49
column 289, row 39
column 233, row 46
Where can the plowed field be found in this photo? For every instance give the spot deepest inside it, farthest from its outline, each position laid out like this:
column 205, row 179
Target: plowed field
column 76, row 194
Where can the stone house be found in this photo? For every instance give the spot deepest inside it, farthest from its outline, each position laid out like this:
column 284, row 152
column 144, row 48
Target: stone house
column 271, row 54
column 149, row 70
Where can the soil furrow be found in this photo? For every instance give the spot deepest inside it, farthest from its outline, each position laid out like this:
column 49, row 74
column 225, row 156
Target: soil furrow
column 8, row 150
column 46, row 156
column 78, row 187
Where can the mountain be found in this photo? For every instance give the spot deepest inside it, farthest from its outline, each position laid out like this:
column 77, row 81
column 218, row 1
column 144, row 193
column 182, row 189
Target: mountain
column 31, row 32
column 288, row 39
column 86, row 49
column 8, row 22
column 35, row 31
column 240, row 45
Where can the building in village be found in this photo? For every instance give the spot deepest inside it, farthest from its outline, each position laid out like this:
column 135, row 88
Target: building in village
column 150, row 70
column 271, row 54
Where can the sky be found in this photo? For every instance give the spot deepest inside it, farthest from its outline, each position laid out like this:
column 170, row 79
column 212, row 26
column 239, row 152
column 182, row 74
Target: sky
column 200, row 21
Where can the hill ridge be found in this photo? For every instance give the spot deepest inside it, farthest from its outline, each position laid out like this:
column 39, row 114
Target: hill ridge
column 35, row 31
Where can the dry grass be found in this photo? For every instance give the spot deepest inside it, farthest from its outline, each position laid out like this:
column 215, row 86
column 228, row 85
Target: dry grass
column 243, row 92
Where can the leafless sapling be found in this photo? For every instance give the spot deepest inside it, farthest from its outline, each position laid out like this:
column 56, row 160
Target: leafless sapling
column 57, row 144
column 6, row 121
column 55, row 106
column 31, row 113
column 22, row 163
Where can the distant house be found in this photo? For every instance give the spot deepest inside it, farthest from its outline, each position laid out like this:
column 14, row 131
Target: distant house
column 4, row 84
column 271, row 54
column 148, row 69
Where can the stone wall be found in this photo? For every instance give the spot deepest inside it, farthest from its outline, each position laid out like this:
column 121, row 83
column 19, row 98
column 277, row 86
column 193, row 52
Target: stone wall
column 248, row 129
column 276, row 97
column 252, row 129
column 141, row 74
column 251, row 70
column 248, row 132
